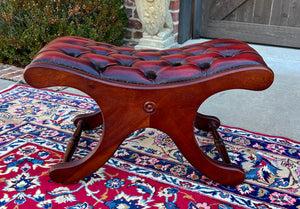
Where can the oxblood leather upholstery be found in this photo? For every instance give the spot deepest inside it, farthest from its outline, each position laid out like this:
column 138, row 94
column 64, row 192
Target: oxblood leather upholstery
column 148, row 67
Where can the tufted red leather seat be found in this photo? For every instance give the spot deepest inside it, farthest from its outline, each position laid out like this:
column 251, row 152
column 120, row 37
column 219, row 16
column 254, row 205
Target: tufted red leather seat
column 148, row 67
column 148, row 88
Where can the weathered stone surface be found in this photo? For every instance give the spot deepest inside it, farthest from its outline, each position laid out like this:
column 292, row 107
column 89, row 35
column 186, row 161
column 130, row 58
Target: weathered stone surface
column 157, row 24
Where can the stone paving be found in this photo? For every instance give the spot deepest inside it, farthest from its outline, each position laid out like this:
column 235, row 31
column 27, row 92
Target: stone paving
column 11, row 73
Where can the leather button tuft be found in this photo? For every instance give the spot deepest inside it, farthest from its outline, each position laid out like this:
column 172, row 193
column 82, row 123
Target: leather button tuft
column 151, row 75
column 204, row 66
column 148, row 66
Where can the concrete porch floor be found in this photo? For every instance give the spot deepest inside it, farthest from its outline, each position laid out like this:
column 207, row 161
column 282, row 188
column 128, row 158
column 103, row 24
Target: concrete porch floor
column 275, row 111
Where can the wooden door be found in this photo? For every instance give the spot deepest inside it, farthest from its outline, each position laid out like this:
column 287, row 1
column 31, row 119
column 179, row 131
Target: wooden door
column 189, row 20
column 275, row 22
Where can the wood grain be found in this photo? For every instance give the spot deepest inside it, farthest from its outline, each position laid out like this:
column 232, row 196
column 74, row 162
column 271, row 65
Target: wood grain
column 275, row 22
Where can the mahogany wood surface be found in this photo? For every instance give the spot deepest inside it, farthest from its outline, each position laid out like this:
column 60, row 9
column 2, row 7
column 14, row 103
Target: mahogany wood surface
column 171, row 108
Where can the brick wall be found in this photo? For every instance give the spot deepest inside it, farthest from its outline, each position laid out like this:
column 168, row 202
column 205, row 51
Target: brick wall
column 134, row 28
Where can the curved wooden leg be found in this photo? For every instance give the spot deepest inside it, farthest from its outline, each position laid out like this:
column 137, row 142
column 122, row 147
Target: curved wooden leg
column 72, row 172
column 184, row 138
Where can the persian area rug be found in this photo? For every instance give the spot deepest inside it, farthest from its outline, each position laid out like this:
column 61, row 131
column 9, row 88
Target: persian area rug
column 147, row 171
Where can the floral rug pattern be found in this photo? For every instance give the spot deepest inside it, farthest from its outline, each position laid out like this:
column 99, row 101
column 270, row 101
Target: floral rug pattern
column 147, row 171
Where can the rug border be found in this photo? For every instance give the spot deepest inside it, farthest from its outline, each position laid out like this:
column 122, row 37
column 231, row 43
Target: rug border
column 61, row 92
column 257, row 133
column 77, row 95
column 10, row 87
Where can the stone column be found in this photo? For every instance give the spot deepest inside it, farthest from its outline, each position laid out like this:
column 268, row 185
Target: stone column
column 157, row 24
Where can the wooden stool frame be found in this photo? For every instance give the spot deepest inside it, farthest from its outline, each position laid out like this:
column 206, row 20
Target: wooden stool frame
column 171, row 108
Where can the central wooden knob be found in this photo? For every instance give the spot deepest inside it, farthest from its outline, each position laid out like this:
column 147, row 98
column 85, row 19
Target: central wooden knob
column 149, row 107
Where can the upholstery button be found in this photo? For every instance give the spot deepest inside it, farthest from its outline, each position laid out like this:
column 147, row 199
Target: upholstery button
column 177, row 64
column 148, row 66
column 151, row 75
column 149, row 107
column 204, row 65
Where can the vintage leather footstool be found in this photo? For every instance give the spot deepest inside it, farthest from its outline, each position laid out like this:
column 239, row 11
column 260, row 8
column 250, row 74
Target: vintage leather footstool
column 148, row 88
